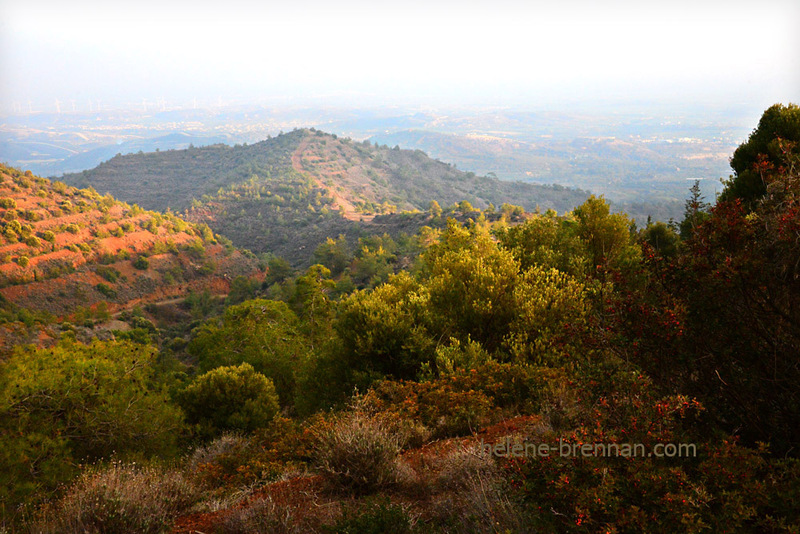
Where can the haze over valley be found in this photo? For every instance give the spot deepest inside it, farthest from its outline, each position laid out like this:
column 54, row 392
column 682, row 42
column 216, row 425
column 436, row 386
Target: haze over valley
column 647, row 155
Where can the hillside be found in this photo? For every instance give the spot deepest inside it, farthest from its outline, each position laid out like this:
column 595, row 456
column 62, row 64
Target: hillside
column 565, row 373
column 303, row 187
column 63, row 249
column 629, row 163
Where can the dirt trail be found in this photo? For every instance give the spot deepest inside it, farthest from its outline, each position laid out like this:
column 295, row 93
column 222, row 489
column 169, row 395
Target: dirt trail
column 345, row 207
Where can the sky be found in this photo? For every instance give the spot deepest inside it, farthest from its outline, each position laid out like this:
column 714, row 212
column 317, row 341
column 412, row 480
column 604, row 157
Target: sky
column 386, row 53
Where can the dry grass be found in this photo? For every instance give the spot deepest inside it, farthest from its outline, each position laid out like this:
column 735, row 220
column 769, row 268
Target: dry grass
column 226, row 444
column 359, row 450
column 119, row 499
column 262, row 516
column 474, row 495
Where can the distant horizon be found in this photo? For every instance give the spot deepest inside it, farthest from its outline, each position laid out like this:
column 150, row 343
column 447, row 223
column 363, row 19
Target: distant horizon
column 54, row 56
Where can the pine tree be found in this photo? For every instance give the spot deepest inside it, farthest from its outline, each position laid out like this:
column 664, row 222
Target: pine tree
column 696, row 211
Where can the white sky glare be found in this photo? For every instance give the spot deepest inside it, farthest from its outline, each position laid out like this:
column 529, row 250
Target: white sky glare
column 472, row 52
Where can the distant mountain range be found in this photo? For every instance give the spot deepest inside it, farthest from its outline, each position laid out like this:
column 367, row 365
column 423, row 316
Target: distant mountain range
column 45, row 158
column 641, row 176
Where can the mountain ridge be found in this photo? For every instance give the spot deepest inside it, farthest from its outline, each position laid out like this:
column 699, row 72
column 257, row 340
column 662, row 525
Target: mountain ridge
column 297, row 189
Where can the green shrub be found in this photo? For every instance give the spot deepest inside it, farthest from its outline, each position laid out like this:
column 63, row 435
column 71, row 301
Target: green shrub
column 30, row 215
column 72, row 228
column 230, row 398
column 376, row 517
column 264, row 333
column 141, row 263
column 23, row 261
column 106, row 290
column 8, row 203
column 75, row 403
column 109, row 273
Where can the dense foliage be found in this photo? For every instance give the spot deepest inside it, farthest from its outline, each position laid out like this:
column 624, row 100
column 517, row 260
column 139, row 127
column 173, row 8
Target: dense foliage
column 402, row 367
column 76, row 403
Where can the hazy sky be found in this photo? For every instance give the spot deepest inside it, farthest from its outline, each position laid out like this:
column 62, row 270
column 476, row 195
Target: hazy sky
column 386, row 52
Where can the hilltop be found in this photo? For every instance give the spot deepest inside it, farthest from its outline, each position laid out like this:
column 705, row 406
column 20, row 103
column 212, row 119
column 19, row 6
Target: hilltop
column 304, row 186
column 63, row 250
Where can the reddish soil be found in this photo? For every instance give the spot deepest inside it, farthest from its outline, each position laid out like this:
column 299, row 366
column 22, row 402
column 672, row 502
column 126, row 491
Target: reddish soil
column 320, row 176
column 311, row 503
column 58, row 280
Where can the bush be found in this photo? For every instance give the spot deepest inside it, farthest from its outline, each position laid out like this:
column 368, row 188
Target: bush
column 106, row 290
column 49, row 236
column 262, row 516
column 8, row 203
column 358, row 451
column 234, row 461
column 141, row 263
column 109, row 273
column 211, row 453
column 376, row 517
column 266, row 334
column 474, row 495
column 120, row 499
column 72, row 228
column 459, row 402
column 23, row 261
column 230, row 398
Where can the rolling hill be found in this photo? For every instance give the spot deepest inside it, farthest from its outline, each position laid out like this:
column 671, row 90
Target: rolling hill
column 295, row 190
column 641, row 176
column 63, row 250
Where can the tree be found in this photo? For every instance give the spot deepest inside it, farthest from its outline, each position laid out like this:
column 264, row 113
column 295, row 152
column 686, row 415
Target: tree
column 263, row 333
column 741, row 280
column 695, row 212
column 721, row 322
column 546, row 301
column 229, row 398
column 79, row 403
column 607, row 236
column 511, row 212
column 662, row 238
column 311, row 300
column 778, row 129
column 471, row 282
column 434, row 209
column 278, row 270
column 546, row 241
column 333, row 254
column 465, row 207
column 383, row 332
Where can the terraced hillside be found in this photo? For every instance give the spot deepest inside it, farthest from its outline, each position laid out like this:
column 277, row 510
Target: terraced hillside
column 63, row 248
